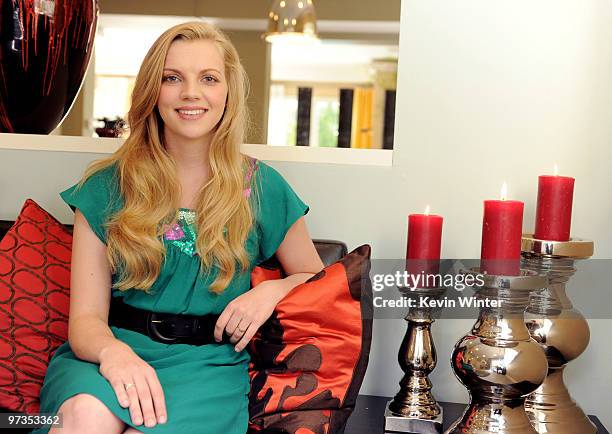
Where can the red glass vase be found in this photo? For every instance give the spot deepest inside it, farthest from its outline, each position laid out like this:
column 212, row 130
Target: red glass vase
column 45, row 47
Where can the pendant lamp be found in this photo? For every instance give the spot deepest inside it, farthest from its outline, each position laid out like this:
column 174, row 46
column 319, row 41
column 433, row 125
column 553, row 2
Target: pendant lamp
column 291, row 19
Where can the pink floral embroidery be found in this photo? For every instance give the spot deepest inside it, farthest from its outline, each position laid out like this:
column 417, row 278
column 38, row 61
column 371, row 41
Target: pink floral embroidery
column 174, row 233
column 247, row 191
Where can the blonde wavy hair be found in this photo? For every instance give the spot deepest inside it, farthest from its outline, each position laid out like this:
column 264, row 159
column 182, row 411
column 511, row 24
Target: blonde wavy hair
column 148, row 177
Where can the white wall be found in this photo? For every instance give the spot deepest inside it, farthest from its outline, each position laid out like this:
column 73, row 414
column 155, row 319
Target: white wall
column 488, row 91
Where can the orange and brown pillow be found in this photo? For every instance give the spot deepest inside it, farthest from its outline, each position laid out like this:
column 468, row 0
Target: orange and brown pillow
column 310, row 357
column 35, row 258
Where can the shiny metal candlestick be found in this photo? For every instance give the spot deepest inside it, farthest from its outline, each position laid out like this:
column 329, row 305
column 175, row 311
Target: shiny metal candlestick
column 414, row 409
column 499, row 362
column 560, row 329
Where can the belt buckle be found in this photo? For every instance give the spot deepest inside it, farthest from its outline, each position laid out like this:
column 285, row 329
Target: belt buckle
column 153, row 321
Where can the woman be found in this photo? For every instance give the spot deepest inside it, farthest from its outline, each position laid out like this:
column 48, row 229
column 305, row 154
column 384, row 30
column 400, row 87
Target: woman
column 137, row 213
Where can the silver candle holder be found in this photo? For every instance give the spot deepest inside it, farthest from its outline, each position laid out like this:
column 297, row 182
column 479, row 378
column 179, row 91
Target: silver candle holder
column 414, row 408
column 560, row 329
column 498, row 362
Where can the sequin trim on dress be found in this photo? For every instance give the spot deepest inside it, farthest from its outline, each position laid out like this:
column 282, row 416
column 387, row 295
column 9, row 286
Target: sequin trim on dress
column 182, row 234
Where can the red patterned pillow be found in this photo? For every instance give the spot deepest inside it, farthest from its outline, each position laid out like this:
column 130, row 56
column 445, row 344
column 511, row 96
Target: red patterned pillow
column 310, row 357
column 34, row 300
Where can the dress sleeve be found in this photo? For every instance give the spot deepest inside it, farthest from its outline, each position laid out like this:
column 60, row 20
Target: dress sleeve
column 279, row 207
column 97, row 199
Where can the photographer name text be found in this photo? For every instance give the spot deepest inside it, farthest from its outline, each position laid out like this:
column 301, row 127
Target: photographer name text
column 427, row 302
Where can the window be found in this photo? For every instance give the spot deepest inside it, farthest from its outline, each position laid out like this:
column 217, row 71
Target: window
column 334, row 94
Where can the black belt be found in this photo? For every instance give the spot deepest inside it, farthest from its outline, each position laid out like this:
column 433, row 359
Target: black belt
column 167, row 328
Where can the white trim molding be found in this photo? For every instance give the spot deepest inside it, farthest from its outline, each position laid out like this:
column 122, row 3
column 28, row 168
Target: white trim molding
column 53, row 143
column 306, row 154
column 302, row 154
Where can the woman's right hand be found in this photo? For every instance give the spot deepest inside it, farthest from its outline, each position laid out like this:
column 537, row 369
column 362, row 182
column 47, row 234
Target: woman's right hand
column 122, row 367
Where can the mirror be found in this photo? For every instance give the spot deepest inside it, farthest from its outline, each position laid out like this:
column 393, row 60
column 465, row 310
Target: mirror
column 336, row 92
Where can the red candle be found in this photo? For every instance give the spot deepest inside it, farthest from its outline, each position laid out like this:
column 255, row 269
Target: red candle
column 424, row 243
column 501, row 236
column 554, row 210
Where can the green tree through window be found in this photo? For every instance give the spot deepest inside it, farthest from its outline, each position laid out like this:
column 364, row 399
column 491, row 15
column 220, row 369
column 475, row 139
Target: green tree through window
column 328, row 125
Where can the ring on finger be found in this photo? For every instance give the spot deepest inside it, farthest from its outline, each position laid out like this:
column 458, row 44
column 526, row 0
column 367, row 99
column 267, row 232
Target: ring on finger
column 128, row 385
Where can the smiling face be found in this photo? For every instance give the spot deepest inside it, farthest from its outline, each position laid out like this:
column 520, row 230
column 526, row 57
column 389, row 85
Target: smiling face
column 193, row 92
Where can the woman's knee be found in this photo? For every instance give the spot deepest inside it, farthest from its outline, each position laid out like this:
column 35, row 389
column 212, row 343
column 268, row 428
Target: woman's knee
column 86, row 412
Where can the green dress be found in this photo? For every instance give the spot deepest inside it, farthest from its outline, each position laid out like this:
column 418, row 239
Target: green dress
column 206, row 387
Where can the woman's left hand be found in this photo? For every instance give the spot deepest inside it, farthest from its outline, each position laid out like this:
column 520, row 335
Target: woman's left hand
column 243, row 316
